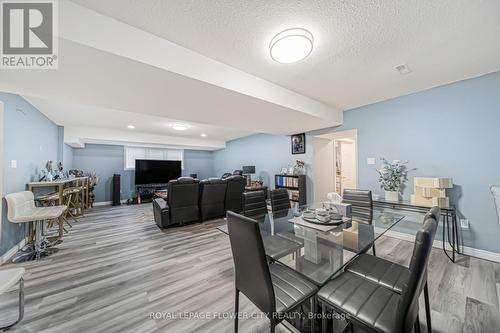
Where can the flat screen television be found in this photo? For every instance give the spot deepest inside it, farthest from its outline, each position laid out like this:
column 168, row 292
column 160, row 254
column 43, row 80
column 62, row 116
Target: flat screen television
column 156, row 171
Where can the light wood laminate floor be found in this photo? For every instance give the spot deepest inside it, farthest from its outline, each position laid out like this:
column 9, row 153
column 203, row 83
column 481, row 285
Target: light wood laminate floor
column 116, row 268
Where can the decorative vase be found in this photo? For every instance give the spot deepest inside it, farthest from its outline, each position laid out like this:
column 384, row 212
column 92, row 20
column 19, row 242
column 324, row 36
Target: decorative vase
column 392, row 195
column 299, row 170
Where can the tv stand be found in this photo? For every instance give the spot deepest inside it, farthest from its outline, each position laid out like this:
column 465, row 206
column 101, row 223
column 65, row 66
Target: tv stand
column 145, row 192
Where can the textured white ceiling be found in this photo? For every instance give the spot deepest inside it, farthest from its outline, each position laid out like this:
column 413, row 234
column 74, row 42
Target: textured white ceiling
column 358, row 42
column 102, row 90
column 74, row 115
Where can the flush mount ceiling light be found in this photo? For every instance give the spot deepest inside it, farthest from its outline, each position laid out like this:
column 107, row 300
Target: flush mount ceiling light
column 179, row 126
column 291, row 45
column 130, row 126
column 203, row 135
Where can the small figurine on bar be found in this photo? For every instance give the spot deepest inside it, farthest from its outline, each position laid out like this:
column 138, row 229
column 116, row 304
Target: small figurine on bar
column 60, row 171
column 46, row 175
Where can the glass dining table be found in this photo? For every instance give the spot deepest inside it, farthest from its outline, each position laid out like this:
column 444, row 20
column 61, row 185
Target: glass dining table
column 319, row 252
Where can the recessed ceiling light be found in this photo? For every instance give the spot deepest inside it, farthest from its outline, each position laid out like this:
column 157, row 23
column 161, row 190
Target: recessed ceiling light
column 204, row 135
column 130, row 126
column 291, row 45
column 179, row 126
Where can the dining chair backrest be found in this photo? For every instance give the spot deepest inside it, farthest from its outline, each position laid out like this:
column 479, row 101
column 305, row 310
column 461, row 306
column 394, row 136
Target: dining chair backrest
column 408, row 306
column 254, row 204
column 252, row 276
column 361, row 204
column 434, row 212
column 279, row 200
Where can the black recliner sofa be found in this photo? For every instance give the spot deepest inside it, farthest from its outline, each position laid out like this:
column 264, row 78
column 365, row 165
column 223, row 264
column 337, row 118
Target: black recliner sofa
column 182, row 203
column 234, row 193
column 212, row 196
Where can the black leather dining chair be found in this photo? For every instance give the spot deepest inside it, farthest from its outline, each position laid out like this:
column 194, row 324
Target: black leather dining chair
column 254, row 204
column 275, row 289
column 376, row 308
column 362, row 206
column 391, row 275
column 280, row 200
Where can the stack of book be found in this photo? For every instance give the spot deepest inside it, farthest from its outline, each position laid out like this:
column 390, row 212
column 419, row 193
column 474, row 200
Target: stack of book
column 431, row 191
column 293, row 195
column 287, row 181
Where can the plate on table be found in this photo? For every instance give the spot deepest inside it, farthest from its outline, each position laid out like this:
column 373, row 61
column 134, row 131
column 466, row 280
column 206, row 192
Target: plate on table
column 330, row 222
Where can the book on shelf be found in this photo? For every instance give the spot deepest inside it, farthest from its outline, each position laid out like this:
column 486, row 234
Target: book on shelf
column 295, row 186
column 287, row 181
column 293, row 195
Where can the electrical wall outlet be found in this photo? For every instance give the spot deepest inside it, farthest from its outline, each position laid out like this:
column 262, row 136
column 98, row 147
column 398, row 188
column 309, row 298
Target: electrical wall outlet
column 370, row 161
column 464, row 223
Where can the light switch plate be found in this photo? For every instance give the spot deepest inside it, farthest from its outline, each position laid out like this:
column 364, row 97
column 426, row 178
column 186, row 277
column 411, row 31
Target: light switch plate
column 370, row 160
column 464, row 223
column 13, row 164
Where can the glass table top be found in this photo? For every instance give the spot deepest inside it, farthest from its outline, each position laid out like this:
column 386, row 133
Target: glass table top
column 315, row 251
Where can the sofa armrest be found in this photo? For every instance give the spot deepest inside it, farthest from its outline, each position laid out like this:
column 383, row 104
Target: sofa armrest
column 161, row 212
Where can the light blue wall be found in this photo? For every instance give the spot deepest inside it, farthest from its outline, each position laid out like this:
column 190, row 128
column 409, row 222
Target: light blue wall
column 31, row 139
column 199, row 162
column 67, row 157
column 269, row 153
column 107, row 160
column 450, row 131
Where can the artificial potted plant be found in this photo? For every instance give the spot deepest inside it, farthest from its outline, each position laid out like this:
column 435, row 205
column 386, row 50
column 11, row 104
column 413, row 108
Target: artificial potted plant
column 392, row 177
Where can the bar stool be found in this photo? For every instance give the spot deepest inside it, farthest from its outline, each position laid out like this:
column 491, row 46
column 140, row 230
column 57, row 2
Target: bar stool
column 21, row 209
column 50, row 199
column 72, row 199
column 8, row 278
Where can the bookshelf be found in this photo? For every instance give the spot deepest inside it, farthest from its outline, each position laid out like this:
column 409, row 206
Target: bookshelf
column 296, row 186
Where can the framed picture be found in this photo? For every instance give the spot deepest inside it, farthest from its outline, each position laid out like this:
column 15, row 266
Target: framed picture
column 299, row 143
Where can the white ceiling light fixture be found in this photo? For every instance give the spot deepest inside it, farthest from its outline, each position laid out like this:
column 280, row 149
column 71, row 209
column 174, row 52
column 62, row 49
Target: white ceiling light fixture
column 203, row 135
column 291, row 45
column 130, row 126
column 179, row 126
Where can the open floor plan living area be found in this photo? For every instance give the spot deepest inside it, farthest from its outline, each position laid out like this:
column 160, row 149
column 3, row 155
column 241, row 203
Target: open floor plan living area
column 298, row 166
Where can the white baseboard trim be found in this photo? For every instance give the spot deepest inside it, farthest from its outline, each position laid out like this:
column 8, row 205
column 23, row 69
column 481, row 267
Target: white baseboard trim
column 7, row 255
column 107, row 203
column 102, row 203
column 483, row 254
column 470, row 251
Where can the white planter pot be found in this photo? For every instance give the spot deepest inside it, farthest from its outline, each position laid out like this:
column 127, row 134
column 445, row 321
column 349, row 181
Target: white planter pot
column 392, row 195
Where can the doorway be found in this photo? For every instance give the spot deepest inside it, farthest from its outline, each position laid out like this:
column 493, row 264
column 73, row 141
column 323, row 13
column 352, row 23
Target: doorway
column 345, row 164
column 1, row 169
column 335, row 163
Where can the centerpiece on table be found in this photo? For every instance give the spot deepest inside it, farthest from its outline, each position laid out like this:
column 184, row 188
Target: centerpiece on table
column 392, row 177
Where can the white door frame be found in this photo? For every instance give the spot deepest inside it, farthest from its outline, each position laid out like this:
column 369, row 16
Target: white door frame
column 1, row 163
column 324, row 169
column 347, row 134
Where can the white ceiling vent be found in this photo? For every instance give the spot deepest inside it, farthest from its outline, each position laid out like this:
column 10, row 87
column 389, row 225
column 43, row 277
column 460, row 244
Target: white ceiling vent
column 403, row 69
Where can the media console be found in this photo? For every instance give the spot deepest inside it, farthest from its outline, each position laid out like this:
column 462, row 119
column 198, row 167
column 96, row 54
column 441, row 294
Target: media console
column 146, row 192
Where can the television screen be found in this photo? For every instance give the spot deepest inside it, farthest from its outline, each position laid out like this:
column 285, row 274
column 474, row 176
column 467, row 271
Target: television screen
column 156, row 171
